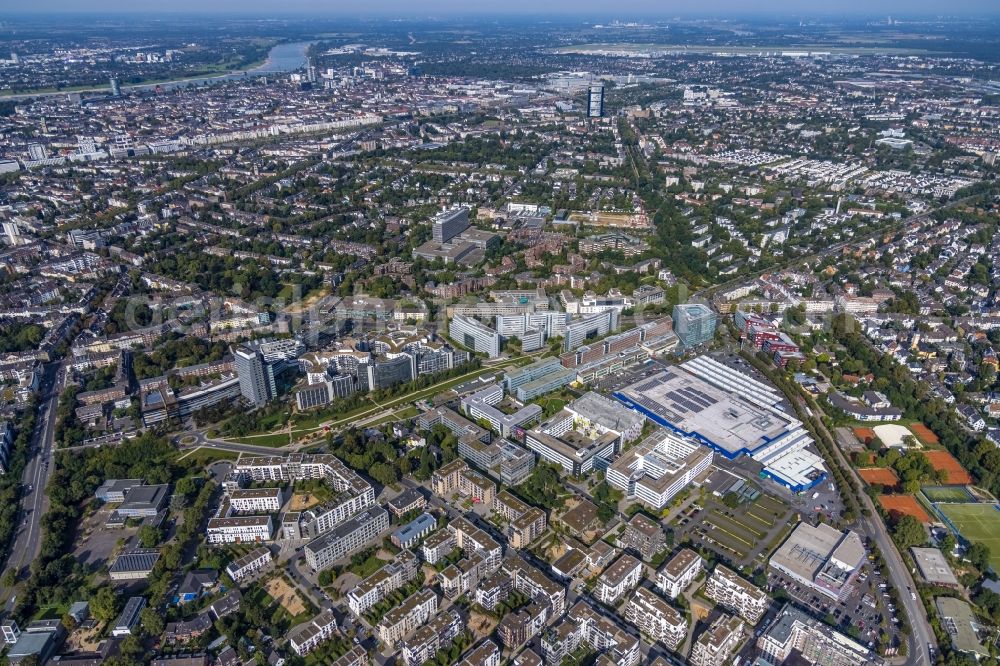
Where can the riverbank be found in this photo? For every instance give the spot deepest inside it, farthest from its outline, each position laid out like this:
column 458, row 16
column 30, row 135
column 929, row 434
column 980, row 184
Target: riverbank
column 281, row 59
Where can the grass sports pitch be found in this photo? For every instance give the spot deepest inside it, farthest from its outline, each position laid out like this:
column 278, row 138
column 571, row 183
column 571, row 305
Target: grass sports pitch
column 947, row 494
column 977, row 523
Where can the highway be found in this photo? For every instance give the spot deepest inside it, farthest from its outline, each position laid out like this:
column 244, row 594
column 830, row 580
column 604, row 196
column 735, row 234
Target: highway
column 37, row 472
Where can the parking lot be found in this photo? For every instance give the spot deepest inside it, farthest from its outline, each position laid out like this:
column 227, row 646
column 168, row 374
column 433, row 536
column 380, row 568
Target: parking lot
column 859, row 609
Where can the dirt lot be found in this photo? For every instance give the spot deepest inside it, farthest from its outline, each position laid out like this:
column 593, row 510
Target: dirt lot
column 283, row 593
column 85, row 639
column 481, row 625
column 302, row 501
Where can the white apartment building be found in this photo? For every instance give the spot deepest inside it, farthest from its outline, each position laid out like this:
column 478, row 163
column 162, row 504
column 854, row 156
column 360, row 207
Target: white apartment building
column 655, row 618
column 728, row 589
column 246, row 566
column 256, row 500
column 428, row 639
column 374, row 588
column 715, row 646
column 306, row 637
column 530, row 581
column 346, row 538
column 621, row 576
column 674, row 576
column 415, row 610
column 239, row 529
column 437, row 546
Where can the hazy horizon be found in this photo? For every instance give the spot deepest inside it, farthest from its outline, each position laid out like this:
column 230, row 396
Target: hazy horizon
column 582, row 8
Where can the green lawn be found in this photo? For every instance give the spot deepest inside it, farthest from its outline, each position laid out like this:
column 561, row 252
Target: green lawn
column 204, row 455
column 978, row 523
column 947, row 494
column 275, row 440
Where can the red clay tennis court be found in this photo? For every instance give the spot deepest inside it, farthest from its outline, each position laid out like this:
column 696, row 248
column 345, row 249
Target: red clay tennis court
column 924, row 434
column 941, row 459
column 882, row 476
column 905, row 505
column 864, row 434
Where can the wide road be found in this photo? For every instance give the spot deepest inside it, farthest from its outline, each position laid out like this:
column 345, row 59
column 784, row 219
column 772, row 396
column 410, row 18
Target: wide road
column 37, row 472
column 921, row 634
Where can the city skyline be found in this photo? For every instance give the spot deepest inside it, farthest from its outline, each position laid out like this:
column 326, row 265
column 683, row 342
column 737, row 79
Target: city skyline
column 431, row 8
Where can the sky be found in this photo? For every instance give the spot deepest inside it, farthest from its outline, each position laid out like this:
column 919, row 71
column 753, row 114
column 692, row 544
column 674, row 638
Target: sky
column 665, row 8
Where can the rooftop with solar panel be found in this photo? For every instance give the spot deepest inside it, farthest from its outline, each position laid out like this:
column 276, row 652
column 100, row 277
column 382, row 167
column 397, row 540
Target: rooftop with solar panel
column 687, row 404
column 730, row 412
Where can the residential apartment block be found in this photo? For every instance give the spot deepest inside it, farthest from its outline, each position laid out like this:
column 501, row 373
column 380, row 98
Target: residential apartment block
column 246, row 566
column 737, row 594
column 674, row 576
column 415, row 610
column 585, row 626
column 655, row 618
column 437, row 634
column 715, row 646
column 347, row 538
column 623, row 574
column 256, row 500
column 239, row 529
column 392, row 576
column 644, row 535
column 307, row 637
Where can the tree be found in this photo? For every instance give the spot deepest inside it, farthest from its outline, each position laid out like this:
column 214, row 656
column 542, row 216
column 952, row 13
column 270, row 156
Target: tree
column 732, row 500
column 979, row 555
column 9, row 577
column 152, row 621
column 908, row 532
column 911, row 487
column 148, row 536
column 948, row 543
column 104, row 605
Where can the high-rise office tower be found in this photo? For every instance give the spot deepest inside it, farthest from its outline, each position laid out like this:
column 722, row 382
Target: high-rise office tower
column 256, row 376
column 595, row 101
column 694, row 323
column 449, row 224
column 116, row 87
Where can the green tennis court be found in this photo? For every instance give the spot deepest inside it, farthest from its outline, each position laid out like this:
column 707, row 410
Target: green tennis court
column 948, row 494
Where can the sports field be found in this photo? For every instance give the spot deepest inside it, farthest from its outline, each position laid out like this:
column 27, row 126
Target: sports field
column 883, row 476
column 923, row 433
column 947, row 494
column 941, row 459
column 977, row 523
column 905, row 505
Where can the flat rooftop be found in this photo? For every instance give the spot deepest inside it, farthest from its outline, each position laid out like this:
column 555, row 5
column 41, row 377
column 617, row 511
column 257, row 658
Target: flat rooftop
column 684, row 403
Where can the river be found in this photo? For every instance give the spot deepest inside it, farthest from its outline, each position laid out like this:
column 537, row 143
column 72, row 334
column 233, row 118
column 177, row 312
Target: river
column 281, row 59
